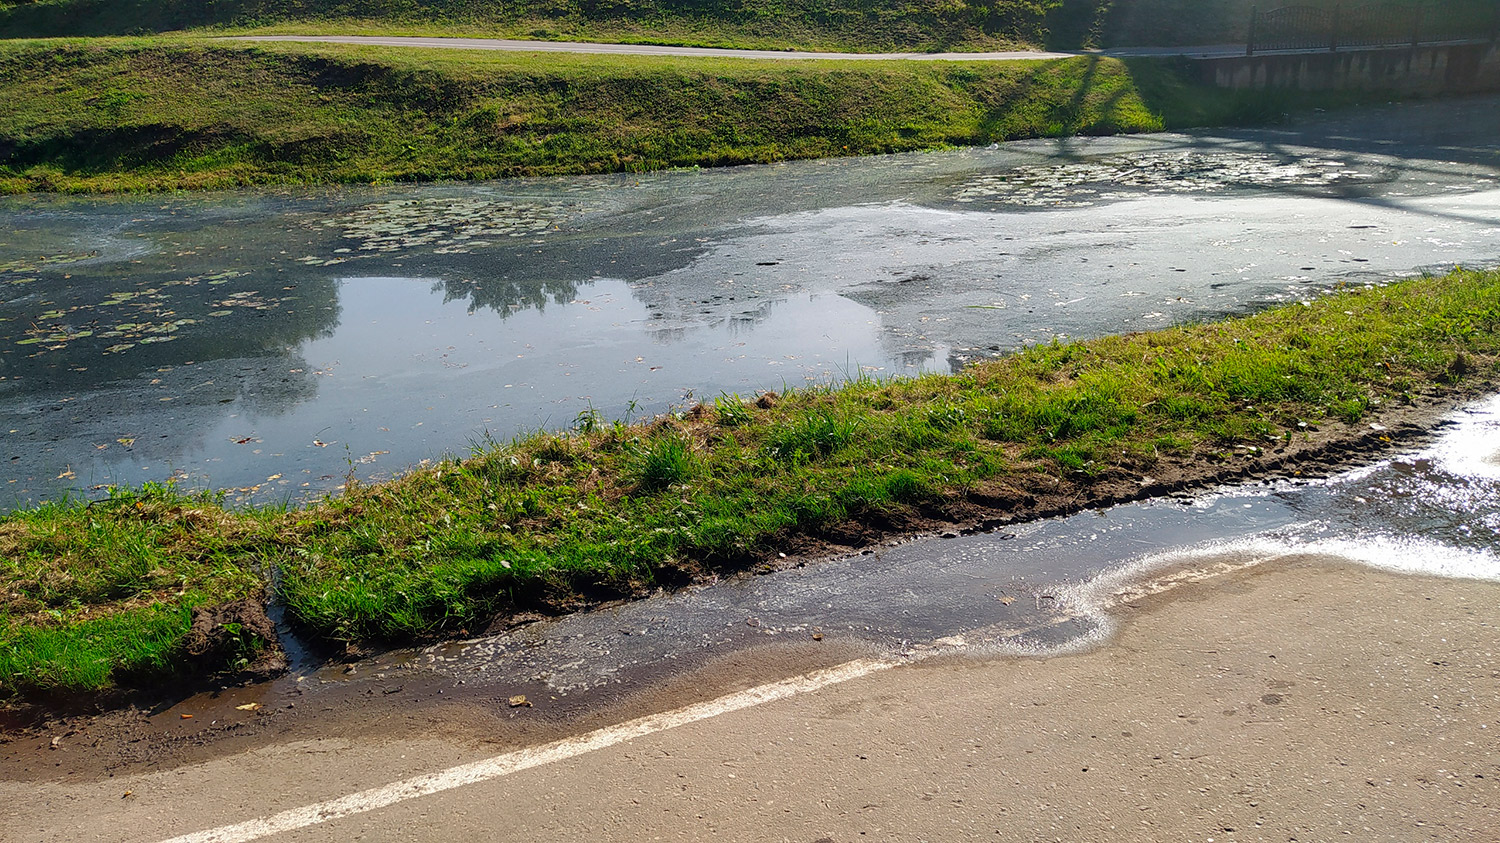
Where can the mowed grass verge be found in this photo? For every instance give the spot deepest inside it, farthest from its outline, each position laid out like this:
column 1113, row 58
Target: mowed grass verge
column 921, row 25
column 165, row 114
column 99, row 595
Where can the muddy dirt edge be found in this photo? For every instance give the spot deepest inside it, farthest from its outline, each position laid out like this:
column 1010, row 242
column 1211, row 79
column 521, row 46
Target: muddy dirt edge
column 1320, row 452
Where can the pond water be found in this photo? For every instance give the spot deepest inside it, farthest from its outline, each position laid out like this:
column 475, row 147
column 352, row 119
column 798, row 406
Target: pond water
column 274, row 342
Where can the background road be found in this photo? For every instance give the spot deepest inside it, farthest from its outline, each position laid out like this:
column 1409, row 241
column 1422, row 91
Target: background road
column 639, row 49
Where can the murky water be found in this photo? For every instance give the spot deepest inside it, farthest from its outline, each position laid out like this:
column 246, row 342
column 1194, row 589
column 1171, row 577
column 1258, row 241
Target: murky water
column 274, row 342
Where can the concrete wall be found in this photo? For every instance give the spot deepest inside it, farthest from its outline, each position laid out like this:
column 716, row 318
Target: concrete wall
column 1458, row 68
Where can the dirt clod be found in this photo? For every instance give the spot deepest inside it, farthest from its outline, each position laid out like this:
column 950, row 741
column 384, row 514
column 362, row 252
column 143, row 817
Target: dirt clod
column 237, row 634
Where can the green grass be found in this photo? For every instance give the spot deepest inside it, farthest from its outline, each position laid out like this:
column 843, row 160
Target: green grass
column 163, row 114
column 93, row 594
column 767, row 24
column 96, row 591
column 842, row 25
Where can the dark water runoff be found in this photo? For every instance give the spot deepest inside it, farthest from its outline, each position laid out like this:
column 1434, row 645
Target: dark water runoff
column 272, row 342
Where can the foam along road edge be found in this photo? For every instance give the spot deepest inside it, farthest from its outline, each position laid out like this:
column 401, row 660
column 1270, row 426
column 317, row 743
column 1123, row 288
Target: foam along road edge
column 524, row 759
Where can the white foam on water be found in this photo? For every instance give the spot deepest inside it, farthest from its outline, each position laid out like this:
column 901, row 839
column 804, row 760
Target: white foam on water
column 1159, row 572
column 1472, row 448
column 1093, row 599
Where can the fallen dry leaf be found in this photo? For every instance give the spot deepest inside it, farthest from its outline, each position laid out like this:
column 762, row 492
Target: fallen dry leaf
column 248, row 707
column 520, row 701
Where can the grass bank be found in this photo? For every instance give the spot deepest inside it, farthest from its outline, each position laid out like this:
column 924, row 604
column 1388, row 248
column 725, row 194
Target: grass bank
column 842, row 25
column 848, row 25
column 165, row 114
column 133, row 588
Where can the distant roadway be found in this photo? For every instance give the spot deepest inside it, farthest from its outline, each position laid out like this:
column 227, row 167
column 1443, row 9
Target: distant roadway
column 508, row 45
column 519, row 46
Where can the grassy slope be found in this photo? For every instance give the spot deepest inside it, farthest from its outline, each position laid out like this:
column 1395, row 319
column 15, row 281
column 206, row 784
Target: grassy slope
column 152, row 114
column 830, row 24
column 619, row 508
column 857, row 25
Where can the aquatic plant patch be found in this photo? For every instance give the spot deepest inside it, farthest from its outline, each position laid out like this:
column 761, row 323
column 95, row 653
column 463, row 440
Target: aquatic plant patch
column 554, row 521
column 1078, row 184
column 449, row 225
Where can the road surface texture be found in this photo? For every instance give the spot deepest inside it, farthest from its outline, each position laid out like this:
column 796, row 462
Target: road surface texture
column 1306, row 701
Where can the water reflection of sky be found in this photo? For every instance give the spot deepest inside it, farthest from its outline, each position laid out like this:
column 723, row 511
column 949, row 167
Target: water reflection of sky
column 457, row 373
column 278, row 341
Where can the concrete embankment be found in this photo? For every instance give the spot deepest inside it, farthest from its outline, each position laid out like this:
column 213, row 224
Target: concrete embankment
column 1427, row 70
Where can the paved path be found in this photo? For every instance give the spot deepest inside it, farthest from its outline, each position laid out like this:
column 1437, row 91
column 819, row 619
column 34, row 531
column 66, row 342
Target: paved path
column 1206, row 51
column 643, row 49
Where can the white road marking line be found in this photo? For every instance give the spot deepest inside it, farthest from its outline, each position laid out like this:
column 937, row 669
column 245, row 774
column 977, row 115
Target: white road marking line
column 525, row 759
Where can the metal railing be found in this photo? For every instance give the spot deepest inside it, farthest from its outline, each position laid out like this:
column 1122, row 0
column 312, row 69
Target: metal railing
column 1358, row 27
